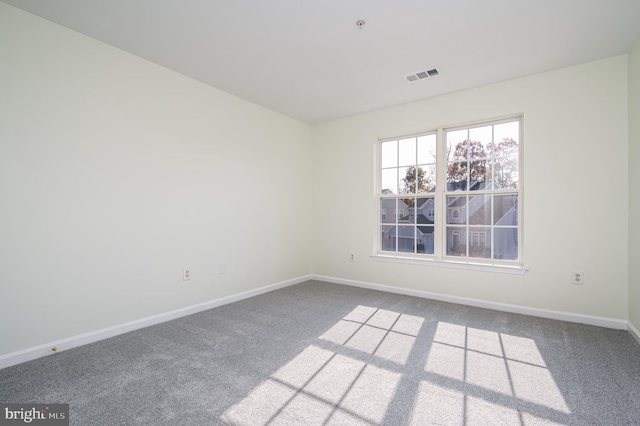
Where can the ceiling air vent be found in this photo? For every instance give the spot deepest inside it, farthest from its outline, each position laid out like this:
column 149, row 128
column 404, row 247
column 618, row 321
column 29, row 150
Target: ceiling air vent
column 421, row 75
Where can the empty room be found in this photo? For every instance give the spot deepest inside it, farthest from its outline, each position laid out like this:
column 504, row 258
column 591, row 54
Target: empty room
column 319, row 213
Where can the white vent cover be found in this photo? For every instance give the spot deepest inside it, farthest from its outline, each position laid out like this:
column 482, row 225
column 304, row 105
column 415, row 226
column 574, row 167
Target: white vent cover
column 421, row 75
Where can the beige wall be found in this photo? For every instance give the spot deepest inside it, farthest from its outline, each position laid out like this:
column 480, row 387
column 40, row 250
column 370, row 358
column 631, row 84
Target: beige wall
column 575, row 193
column 116, row 173
column 634, row 191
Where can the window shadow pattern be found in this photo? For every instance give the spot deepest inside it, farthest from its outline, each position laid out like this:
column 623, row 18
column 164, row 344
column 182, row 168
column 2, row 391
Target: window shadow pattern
column 377, row 366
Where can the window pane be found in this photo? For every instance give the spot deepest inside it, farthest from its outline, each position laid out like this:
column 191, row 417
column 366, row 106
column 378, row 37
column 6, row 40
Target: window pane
column 456, row 241
column 402, row 212
column 456, row 145
column 482, row 138
column 477, row 175
column 425, row 217
column 507, row 131
column 387, row 209
column 480, row 210
column 457, row 174
column 425, row 211
column 389, row 184
column 505, row 246
column 505, row 172
column 388, row 238
column 426, row 178
column 408, row 205
column 407, row 152
column 425, row 239
column 407, row 177
column 457, row 210
column 480, row 242
column 417, row 179
column 406, row 239
column 505, row 210
column 427, row 149
column 488, row 183
column 476, row 150
column 389, row 154
column 505, row 147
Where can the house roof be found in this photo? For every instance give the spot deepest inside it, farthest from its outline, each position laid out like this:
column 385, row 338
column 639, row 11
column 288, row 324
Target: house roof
column 422, row 220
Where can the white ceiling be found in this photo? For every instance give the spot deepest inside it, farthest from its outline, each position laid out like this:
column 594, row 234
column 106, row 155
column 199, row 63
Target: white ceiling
column 308, row 60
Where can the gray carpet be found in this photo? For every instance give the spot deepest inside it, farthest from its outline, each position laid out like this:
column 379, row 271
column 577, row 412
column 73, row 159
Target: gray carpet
column 319, row 353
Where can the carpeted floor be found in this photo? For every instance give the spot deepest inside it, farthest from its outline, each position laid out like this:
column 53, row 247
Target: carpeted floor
column 319, row 353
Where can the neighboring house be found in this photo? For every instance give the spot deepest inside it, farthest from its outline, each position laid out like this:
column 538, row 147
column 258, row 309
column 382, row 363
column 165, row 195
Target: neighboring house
column 505, row 214
column 390, row 211
column 425, row 214
column 415, row 223
column 505, row 240
column 406, row 232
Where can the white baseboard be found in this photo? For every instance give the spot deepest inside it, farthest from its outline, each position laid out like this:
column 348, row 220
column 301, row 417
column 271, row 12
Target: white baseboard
column 516, row 309
column 634, row 332
column 46, row 349
column 94, row 336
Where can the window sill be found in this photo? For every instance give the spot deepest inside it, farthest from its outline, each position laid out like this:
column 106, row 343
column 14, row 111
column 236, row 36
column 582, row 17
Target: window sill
column 474, row 266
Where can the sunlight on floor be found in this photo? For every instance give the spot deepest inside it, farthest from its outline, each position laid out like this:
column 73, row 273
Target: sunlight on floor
column 316, row 385
column 320, row 386
column 502, row 367
column 351, row 376
column 386, row 334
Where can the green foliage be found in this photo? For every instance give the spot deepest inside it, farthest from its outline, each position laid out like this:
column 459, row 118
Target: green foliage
column 418, row 180
column 481, row 164
column 464, row 161
column 505, row 165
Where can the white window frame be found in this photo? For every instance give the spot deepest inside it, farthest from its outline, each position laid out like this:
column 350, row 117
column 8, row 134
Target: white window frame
column 439, row 258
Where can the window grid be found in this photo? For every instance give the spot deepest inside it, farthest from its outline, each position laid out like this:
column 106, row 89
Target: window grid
column 475, row 175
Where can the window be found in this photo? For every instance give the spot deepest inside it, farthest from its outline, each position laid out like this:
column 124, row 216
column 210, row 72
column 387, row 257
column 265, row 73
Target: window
column 456, row 193
column 478, row 239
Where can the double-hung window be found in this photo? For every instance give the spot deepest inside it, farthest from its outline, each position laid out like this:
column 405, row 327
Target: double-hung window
column 456, row 193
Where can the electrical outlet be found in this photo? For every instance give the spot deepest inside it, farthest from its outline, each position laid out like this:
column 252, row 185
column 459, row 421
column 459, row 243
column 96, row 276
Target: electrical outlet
column 186, row 274
column 352, row 257
column 577, row 278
